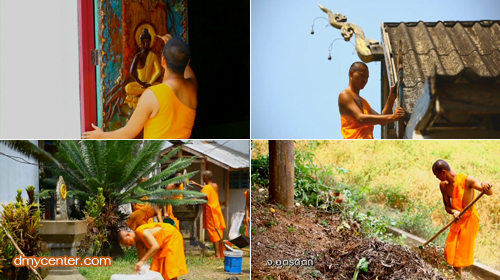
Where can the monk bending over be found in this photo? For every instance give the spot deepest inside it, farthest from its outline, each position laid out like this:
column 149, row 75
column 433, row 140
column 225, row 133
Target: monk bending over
column 458, row 192
column 213, row 220
column 356, row 116
column 143, row 215
column 167, row 110
column 164, row 243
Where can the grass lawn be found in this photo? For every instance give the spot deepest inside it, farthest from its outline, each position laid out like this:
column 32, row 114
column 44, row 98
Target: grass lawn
column 199, row 267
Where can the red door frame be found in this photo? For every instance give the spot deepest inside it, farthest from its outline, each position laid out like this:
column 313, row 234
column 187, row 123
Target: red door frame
column 88, row 102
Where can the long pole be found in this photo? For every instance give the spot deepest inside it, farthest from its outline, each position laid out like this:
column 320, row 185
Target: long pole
column 456, row 219
column 20, row 252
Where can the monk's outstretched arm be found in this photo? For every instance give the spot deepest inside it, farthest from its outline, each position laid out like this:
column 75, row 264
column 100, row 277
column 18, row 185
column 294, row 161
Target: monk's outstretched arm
column 347, row 104
column 196, row 184
column 390, row 102
column 483, row 186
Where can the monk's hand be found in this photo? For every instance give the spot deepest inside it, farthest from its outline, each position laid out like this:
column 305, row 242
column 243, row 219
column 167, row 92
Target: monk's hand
column 96, row 134
column 399, row 113
column 138, row 266
column 166, row 38
column 486, row 187
column 456, row 213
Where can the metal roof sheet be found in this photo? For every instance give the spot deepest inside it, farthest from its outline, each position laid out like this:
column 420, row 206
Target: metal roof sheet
column 457, row 51
column 218, row 152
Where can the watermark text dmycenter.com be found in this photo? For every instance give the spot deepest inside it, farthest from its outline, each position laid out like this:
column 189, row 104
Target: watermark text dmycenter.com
column 35, row 262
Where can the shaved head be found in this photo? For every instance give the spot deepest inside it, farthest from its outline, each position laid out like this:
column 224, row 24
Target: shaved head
column 207, row 174
column 440, row 165
column 126, row 238
column 177, row 54
column 356, row 65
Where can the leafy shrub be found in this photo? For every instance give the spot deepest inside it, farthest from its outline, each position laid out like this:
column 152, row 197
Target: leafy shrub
column 22, row 221
column 100, row 217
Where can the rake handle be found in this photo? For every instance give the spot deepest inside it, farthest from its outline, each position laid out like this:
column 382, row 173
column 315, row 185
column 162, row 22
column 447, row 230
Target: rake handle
column 456, row 219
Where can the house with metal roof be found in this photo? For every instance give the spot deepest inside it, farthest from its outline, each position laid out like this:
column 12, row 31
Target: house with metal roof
column 229, row 162
column 451, row 78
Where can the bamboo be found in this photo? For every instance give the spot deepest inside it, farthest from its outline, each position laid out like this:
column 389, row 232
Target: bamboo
column 19, row 250
column 456, row 219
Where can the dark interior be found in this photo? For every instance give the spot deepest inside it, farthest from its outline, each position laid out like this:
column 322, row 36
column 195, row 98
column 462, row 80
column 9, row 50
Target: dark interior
column 219, row 37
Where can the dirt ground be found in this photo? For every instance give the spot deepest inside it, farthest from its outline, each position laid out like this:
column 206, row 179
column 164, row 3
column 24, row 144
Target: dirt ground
column 306, row 243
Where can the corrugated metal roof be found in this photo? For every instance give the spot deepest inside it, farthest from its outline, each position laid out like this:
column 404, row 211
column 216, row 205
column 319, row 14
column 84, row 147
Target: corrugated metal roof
column 218, row 152
column 458, row 51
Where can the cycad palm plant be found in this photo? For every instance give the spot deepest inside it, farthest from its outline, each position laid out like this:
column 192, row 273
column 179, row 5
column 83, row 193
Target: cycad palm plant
column 116, row 166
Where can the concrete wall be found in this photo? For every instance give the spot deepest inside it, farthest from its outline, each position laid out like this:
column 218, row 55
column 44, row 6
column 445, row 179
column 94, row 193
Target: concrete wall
column 15, row 175
column 39, row 69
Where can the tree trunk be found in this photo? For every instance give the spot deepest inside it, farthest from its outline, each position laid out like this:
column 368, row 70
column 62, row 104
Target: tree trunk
column 281, row 172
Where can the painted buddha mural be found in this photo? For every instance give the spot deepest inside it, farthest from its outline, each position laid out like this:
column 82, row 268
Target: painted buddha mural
column 145, row 69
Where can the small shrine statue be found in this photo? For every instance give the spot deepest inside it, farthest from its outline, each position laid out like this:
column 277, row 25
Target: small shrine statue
column 61, row 207
column 145, row 70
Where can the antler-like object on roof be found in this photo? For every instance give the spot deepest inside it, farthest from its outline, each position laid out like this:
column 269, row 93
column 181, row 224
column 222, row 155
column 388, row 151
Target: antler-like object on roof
column 368, row 49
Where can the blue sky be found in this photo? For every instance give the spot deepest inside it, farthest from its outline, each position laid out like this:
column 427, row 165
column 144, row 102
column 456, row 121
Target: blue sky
column 295, row 87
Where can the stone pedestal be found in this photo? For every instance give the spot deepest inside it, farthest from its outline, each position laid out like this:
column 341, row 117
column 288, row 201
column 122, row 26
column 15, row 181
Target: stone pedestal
column 187, row 215
column 63, row 237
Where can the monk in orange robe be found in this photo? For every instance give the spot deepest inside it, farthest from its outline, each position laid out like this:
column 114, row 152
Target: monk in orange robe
column 213, row 220
column 458, row 192
column 247, row 213
column 168, row 210
column 164, row 243
column 357, row 118
column 143, row 215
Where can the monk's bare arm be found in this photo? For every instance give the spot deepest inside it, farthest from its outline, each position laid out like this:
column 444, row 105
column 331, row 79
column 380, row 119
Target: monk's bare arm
column 196, row 184
column 483, row 186
column 347, row 106
column 148, row 235
column 189, row 75
column 145, row 106
column 446, row 201
column 390, row 102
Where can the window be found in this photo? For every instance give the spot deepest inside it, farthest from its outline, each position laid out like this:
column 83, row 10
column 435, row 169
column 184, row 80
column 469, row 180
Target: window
column 239, row 179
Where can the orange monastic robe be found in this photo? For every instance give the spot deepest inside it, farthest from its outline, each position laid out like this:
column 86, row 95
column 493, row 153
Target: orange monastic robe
column 212, row 214
column 170, row 260
column 142, row 216
column 247, row 193
column 174, row 120
column 170, row 211
column 459, row 250
column 352, row 129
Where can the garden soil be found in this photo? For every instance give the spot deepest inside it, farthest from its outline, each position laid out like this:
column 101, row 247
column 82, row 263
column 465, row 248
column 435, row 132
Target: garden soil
column 307, row 243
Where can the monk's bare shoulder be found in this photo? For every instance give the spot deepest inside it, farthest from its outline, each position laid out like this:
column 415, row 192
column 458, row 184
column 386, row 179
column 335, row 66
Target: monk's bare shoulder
column 442, row 186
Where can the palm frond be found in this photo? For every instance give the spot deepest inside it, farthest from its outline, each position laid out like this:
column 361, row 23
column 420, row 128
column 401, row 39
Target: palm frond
column 30, row 150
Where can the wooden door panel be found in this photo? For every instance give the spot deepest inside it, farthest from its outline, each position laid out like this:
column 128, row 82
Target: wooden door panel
column 119, row 23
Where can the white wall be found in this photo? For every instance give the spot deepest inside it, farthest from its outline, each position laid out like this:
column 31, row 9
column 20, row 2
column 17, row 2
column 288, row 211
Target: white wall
column 39, row 69
column 15, row 175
